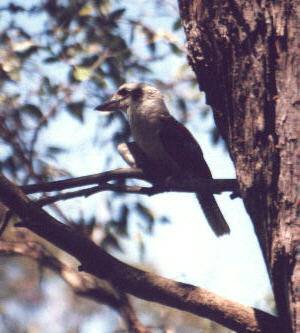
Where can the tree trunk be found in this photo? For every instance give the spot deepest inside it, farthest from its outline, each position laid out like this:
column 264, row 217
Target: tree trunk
column 245, row 55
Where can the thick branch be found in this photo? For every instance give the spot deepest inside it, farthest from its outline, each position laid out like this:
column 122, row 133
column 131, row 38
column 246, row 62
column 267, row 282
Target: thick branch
column 82, row 284
column 142, row 284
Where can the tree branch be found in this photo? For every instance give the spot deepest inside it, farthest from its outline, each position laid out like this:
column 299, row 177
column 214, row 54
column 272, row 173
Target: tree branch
column 136, row 189
column 176, row 185
column 96, row 189
column 129, row 279
column 83, row 284
column 98, row 178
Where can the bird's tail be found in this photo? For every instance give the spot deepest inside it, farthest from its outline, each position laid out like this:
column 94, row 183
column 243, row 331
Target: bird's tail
column 213, row 213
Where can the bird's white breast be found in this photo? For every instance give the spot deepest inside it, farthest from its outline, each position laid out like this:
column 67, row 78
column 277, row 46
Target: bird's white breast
column 145, row 124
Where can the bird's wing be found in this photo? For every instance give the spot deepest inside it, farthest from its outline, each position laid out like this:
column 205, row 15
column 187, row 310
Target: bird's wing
column 183, row 148
column 186, row 152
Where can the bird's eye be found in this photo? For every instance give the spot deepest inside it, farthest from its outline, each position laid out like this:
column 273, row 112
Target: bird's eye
column 123, row 92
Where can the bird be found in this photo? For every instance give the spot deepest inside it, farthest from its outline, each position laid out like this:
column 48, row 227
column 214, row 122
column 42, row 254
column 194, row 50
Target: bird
column 165, row 144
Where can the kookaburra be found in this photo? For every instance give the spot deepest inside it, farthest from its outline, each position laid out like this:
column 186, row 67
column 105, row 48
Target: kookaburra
column 168, row 146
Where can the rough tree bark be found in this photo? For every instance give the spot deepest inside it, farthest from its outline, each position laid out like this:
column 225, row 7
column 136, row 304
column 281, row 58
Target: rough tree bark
column 245, row 55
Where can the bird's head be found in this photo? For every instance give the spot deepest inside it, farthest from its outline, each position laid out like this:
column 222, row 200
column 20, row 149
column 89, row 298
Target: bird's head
column 129, row 94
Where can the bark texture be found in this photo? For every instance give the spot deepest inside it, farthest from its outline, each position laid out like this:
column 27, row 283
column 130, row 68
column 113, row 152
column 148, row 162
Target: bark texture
column 245, row 55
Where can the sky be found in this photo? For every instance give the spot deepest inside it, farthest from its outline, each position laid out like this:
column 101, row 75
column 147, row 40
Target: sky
column 185, row 249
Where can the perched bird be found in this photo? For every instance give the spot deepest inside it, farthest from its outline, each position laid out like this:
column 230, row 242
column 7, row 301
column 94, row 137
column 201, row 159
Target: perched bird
column 168, row 146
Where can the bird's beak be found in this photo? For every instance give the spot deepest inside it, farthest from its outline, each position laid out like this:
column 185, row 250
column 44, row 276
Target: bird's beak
column 112, row 104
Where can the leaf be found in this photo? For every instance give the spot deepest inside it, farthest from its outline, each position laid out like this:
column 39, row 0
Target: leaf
column 3, row 75
column 46, row 88
column 116, row 14
column 175, row 49
column 111, row 241
column 86, row 10
column 164, row 220
column 132, row 33
column 81, row 73
column 215, row 136
column 53, row 150
column 146, row 214
column 90, row 224
column 51, row 60
column 122, row 224
column 15, row 8
column 177, row 24
column 32, row 110
column 11, row 164
column 182, row 104
column 76, row 109
column 152, row 47
column 150, row 36
column 141, row 68
column 23, row 45
column 28, row 52
column 89, row 61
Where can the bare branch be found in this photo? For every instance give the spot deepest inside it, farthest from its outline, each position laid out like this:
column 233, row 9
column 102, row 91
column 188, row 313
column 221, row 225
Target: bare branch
column 131, row 280
column 117, row 174
column 174, row 185
column 82, row 283
column 135, row 189
column 96, row 189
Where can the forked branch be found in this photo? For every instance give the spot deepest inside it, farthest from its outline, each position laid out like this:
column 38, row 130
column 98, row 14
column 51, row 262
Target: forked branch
column 131, row 280
column 101, row 180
